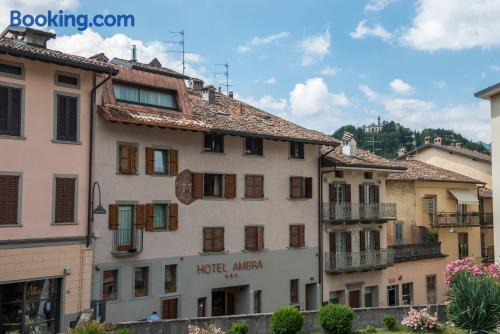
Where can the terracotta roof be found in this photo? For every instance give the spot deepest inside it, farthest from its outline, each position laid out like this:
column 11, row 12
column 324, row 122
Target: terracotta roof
column 148, row 67
column 454, row 150
column 485, row 192
column 363, row 159
column 421, row 171
column 20, row 49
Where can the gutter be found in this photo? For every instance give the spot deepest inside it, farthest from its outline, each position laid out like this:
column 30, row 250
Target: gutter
column 91, row 159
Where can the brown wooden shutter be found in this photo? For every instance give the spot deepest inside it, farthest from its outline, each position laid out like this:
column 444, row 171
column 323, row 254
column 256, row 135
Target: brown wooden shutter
column 302, row 231
column 361, row 193
column 230, row 185
column 113, row 216
column 377, row 240
column 174, row 162
column 150, row 160
column 377, row 194
column 361, row 241
column 64, row 200
column 124, row 158
column 133, row 159
column 208, row 240
column 295, row 235
column 348, row 244
column 218, row 239
column 258, row 186
column 308, row 184
column 333, row 242
column 295, row 187
column 174, row 216
column 140, row 215
column 197, row 185
column 260, row 237
column 169, row 309
column 250, row 238
column 9, row 191
column 347, row 193
column 249, row 186
column 150, row 217
column 331, row 193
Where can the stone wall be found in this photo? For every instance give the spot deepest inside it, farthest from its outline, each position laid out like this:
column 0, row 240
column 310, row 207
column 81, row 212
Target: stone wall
column 259, row 323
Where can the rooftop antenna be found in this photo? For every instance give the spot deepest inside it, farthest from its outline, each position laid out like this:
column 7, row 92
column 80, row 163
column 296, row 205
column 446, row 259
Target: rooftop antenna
column 414, row 142
column 183, row 51
column 226, row 74
column 373, row 142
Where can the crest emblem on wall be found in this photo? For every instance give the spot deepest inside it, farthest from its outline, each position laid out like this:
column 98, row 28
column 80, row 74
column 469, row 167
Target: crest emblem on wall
column 184, row 187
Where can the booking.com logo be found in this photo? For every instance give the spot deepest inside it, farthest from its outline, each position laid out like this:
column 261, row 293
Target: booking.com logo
column 81, row 21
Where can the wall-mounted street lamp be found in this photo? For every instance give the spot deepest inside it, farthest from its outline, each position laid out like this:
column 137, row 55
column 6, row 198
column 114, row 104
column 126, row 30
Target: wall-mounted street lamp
column 99, row 209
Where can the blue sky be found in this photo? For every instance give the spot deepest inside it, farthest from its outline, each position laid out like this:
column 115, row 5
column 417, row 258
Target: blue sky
column 320, row 63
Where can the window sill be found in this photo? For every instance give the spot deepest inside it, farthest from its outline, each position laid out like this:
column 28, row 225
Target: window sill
column 253, row 155
column 258, row 199
column 160, row 230
column 56, row 141
column 213, row 153
column 69, row 223
column 296, row 159
column 213, row 253
column 11, row 225
column 255, row 251
column 156, row 174
column 140, row 298
column 215, row 198
column 127, row 174
column 302, row 247
column 12, row 137
column 125, row 253
column 298, row 199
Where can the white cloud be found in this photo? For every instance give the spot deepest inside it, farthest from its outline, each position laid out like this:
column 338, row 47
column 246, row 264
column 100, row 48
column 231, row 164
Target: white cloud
column 315, row 47
column 313, row 97
column 258, row 41
column 398, row 86
column 441, row 84
column 271, row 81
column 90, row 42
column 471, row 120
column 329, row 71
column 454, row 25
column 362, row 31
column 33, row 7
column 378, row 5
column 267, row 102
column 495, row 68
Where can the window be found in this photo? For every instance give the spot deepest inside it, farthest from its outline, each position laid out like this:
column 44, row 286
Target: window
column 10, row 111
column 254, row 146
column 294, row 291
column 296, row 150
column 67, row 80
column 141, row 281
column 202, row 307
column 212, row 185
column 430, row 287
column 127, row 158
column 65, row 206
column 213, row 142
column 368, row 175
column 213, row 239
column 170, row 278
column 66, row 126
column 407, row 290
column 11, row 69
column 257, row 301
column 254, row 186
column 254, row 238
column 371, row 296
column 169, row 308
column 145, row 96
column 161, row 161
column 161, row 219
column 336, row 297
column 125, row 231
column 369, row 193
column 393, row 295
column 110, row 285
column 9, row 199
column 300, row 187
column 369, row 240
column 297, row 235
column 339, row 174
column 463, row 245
column 398, row 233
column 355, row 298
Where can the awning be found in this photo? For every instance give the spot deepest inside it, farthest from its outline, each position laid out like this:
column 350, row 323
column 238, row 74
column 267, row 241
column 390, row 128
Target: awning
column 464, row 196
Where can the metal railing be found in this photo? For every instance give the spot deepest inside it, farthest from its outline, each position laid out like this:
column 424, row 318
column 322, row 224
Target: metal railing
column 410, row 252
column 449, row 219
column 488, row 254
column 487, row 219
column 127, row 241
column 357, row 261
column 358, row 211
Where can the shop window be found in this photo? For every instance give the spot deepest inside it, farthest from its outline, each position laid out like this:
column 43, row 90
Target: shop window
column 110, row 285
column 393, row 295
column 407, row 293
column 170, row 278
column 294, row 291
column 141, row 285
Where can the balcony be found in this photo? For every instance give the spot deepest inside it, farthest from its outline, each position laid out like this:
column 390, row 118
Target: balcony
column 412, row 252
column 360, row 261
column 456, row 219
column 127, row 241
column 488, row 254
column 336, row 212
column 486, row 219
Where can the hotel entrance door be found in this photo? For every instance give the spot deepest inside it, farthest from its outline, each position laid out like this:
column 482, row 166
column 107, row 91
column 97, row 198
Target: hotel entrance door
column 224, row 302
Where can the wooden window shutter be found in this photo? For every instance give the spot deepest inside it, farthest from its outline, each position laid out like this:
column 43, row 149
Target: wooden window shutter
column 174, row 162
column 249, row 186
column 259, row 186
column 218, row 240
column 302, row 231
column 140, row 215
column 64, row 210
column 230, row 185
column 348, row 243
column 150, row 217
column 133, row 159
column 361, row 193
column 9, row 190
column 295, row 187
column 333, row 242
column 260, row 237
column 174, row 216
column 294, row 236
column 113, row 216
column 361, row 241
column 331, row 193
column 208, row 240
column 308, row 184
column 72, row 119
column 197, row 185
column 347, row 193
column 250, row 238
column 150, row 160
column 376, row 197
column 124, row 157
column 377, row 240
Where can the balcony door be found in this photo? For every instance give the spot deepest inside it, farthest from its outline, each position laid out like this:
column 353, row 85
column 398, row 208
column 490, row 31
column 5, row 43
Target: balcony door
column 340, row 249
column 125, row 230
column 369, row 197
column 369, row 247
column 463, row 245
column 339, row 195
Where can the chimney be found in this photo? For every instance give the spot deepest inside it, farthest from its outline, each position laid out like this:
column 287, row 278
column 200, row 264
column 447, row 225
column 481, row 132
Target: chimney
column 28, row 36
column 402, row 151
column 427, row 140
column 459, row 145
column 349, row 144
column 196, row 84
column 438, row 141
column 134, row 53
column 230, row 94
column 208, row 94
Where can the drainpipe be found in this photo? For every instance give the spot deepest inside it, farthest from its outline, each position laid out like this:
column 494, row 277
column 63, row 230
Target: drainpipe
column 91, row 160
column 320, row 222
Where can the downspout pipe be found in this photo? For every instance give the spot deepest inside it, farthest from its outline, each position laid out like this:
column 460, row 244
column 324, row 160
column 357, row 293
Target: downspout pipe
column 91, row 156
column 320, row 222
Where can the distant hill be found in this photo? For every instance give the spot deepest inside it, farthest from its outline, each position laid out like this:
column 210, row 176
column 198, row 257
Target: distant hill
column 394, row 135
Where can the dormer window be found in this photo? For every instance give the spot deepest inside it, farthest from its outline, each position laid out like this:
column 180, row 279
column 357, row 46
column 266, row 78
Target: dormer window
column 145, row 96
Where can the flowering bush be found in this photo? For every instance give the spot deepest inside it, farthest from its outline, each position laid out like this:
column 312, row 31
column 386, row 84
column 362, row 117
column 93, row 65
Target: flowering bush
column 469, row 265
column 420, row 320
column 210, row 330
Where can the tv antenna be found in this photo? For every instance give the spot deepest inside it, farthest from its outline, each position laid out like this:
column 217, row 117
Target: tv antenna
column 182, row 44
column 226, row 74
column 373, row 142
column 413, row 142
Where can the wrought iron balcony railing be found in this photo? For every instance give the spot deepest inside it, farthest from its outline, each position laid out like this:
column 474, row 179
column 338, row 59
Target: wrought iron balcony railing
column 411, row 252
column 358, row 211
column 127, row 241
column 454, row 219
column 358, row 261
column 486, row 219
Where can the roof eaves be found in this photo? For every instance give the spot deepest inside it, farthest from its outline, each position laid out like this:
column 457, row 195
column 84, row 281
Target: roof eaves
column 272, row 137
column 488, row 92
